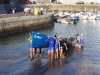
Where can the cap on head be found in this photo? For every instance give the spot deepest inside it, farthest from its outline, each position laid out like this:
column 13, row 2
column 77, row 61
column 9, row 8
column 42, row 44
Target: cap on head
column 81, row 34
column 77, row 34
column 49, row 35
column 55, row 36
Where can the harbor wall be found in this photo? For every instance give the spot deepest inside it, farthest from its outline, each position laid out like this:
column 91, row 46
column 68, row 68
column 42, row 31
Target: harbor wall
column 69, row 7
column 24, row 23
column 76, row 7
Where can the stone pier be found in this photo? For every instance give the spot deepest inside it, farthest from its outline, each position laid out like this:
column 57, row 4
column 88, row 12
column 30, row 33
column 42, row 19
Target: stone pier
column 24, row 23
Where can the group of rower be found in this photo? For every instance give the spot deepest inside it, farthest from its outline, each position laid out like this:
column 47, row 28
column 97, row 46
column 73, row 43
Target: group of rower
column 79, row 41
column 55, row 46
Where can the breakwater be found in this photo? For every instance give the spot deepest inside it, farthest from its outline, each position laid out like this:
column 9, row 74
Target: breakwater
column 24, row 23
column 76, row 7
column 69, row 7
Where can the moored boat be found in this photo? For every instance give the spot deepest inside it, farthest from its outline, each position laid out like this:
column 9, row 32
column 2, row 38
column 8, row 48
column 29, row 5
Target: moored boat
column 68, row 20
column 84, row 17
column 93, row 17
column 62, row 16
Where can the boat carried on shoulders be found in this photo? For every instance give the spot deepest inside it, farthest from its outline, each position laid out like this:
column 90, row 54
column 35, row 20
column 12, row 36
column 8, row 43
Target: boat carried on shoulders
column 39, row 40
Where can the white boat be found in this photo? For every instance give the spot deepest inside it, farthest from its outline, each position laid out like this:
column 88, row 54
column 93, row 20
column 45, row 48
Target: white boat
column 64, row 21
column 93, row 17
column 61, row 14
column 66, row 13
column 67, row 21
column 84, row 17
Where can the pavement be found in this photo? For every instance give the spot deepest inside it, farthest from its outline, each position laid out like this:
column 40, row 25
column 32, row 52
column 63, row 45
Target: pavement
column 6, row 11
column 2, row 10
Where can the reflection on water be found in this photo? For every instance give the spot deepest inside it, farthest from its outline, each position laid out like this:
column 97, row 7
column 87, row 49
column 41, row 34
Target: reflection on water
column 35, row 62
column 51, row 64
column 55, row 63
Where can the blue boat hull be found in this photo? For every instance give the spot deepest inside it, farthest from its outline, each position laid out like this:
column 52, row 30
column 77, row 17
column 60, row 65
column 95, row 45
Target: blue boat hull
column 38, row 40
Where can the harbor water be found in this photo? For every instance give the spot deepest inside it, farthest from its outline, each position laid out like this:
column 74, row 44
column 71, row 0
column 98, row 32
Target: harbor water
column 15, row 59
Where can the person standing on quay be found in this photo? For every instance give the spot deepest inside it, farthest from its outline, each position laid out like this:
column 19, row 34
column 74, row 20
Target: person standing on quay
column 29, row 11
column 13, row 12
column 25, row 11
column 41, row 10
column 35, row 11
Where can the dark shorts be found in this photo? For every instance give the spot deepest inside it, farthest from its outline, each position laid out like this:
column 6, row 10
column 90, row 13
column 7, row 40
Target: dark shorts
column 39, row 51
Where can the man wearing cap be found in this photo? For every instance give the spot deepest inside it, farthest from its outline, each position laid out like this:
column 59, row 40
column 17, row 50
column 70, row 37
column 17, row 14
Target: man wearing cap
column 50, row 42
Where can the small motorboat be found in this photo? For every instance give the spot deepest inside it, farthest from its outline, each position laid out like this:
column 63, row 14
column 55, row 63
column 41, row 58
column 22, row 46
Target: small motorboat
column 93, row 17
column 62, row 16
column 68, row 20
column 84, row 17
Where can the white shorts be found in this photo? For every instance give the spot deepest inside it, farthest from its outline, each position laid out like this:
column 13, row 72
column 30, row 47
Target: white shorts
column 61, row 47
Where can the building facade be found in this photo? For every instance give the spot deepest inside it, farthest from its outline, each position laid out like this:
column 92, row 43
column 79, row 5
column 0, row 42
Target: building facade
column 47, row 1
column 15, row 1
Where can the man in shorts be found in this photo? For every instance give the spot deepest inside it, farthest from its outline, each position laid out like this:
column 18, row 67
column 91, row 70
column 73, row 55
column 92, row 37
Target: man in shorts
column 62, row 44
column 56, row 46
column 31, row 47
column 50, row 42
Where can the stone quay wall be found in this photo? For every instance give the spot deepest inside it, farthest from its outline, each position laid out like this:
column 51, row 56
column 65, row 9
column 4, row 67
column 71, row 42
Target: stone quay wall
column 69, row 7
column 76, row 7
column 24, row 23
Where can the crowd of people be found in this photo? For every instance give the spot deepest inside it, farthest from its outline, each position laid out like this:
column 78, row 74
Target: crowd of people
column 55, row 46
column 36, row 11
column 27, row 11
